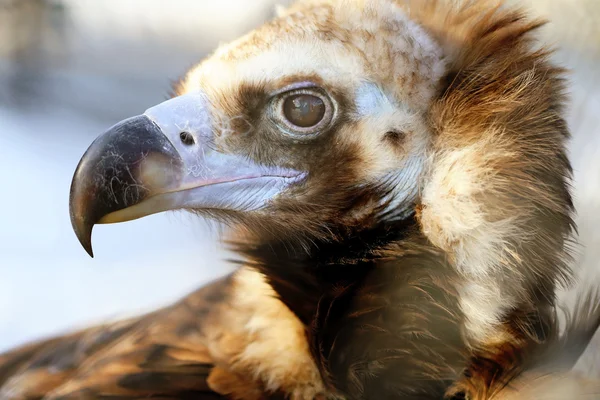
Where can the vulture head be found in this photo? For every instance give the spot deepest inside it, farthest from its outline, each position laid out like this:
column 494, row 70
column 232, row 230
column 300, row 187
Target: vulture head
column 315, row 122
column 360, row 142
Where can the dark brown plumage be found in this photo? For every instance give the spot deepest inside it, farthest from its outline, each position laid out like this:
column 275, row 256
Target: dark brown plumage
column 166, row 354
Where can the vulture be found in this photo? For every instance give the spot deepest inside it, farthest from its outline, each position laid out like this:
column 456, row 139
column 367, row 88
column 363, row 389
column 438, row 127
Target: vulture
column 395, row 179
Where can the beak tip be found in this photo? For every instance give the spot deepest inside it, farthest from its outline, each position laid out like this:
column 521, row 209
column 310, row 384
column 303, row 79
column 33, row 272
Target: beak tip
column 84, row 234
column 88, row 249
column 83, row 230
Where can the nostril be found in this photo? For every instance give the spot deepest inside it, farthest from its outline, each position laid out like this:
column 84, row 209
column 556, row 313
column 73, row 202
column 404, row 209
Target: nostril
column 187, row 138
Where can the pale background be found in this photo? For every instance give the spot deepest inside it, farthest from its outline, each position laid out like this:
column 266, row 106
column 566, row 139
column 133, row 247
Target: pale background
column 71, row 68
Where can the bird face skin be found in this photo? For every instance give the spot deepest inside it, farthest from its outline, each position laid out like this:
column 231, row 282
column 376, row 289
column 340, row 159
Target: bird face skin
column 355, row 146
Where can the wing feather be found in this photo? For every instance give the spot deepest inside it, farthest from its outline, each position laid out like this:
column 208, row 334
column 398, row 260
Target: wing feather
column 163, row 354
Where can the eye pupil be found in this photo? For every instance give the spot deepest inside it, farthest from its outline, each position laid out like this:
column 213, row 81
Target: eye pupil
column 304, row 110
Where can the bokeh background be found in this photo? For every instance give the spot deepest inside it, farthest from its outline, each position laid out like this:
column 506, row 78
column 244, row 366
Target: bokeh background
column 68, row 70
column 71, row 68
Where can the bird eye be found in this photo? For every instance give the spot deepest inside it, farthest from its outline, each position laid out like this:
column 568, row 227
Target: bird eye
column 303, row 112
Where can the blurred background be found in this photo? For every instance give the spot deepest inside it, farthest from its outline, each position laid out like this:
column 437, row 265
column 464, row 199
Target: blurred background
column 71, row 68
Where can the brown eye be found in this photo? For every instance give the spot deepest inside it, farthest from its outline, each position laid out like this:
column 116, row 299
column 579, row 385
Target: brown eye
column 304, row 110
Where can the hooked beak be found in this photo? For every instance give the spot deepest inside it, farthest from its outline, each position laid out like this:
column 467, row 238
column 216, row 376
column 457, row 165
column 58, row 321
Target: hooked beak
column 163, row 160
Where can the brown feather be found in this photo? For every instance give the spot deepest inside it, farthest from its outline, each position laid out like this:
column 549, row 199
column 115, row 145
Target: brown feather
column 159, row 355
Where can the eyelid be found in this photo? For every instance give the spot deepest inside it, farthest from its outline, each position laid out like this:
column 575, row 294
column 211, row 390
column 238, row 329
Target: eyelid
column 296, row 86
column 310, row 91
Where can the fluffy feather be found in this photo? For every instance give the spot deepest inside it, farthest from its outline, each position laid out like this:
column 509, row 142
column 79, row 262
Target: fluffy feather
column 421, row 252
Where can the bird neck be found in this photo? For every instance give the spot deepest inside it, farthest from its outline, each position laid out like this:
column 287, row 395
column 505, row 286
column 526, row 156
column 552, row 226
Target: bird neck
column 381, row 298
column 301, row 274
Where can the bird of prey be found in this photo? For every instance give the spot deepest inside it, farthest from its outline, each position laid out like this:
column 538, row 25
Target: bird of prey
column 395, row 177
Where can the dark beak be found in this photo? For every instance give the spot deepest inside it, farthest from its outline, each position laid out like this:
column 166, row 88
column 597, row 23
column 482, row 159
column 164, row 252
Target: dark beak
column 164, row 160
column 110, row 176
